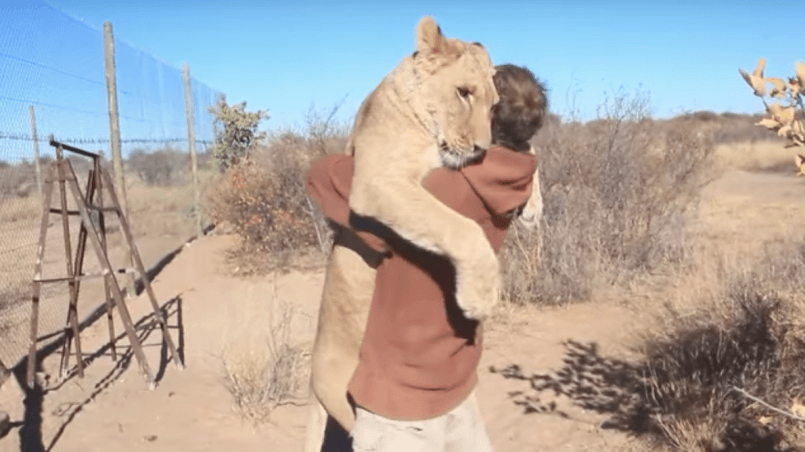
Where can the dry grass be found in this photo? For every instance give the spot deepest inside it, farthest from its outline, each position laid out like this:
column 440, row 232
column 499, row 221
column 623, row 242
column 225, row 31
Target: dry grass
column 759, row 155
column 618, row 195
column 750, row 335
column 261, row 377
column 687, row 384
column 17, row 180
column 21, row 212
column 722, row 128
column 163, row 210
column 153, row 212
column 726, row 288
column 161, row 167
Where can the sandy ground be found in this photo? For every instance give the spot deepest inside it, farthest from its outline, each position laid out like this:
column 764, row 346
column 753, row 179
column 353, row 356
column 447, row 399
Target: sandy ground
column 111, row 408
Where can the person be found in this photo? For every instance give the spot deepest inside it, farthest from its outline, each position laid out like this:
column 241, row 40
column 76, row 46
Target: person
column 413, row 389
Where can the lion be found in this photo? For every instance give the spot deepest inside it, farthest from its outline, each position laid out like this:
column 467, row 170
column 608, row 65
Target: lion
column 433, row 110
column 799, row 159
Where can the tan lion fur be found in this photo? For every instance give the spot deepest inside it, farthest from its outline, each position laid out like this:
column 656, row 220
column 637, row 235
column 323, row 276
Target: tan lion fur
column 434, row 109
column 418, row 119
column 799, row 159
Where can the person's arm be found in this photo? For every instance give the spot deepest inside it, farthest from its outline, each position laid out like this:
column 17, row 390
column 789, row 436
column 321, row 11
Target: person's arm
column 328, row 183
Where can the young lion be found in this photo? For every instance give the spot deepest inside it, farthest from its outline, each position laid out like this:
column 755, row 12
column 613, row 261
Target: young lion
column 433, row 109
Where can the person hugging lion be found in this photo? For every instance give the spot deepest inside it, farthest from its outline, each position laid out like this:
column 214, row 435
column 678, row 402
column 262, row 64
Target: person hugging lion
column 414, row 386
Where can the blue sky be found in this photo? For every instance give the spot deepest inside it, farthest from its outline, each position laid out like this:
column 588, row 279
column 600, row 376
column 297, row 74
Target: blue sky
column 286, row 56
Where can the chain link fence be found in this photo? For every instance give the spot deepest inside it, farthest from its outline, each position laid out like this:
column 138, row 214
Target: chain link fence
column 53, row 82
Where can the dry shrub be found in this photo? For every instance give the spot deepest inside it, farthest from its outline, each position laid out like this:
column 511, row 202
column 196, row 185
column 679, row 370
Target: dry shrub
column 618, row 193
column 162, row 167
column 520, row 261
column 694, row 379
column 751, row 338
column 236, row 132
column 265, row 201
column 251, row 200
column 260, row 379
column 739, row 142
column 18, row 181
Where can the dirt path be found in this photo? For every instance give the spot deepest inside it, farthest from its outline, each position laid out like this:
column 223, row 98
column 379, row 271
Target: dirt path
column 192, row 411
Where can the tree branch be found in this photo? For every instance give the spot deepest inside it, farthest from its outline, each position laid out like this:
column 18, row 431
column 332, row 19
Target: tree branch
column 773, row 408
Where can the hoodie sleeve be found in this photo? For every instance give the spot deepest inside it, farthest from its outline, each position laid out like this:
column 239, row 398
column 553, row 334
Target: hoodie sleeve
column 328, row 183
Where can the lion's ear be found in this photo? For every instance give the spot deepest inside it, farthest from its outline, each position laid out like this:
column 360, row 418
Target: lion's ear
column 431, row 44
column 800, row 159
column 429, row 37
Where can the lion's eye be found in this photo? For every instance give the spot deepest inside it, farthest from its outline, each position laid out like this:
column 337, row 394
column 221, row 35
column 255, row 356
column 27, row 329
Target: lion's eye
column 464, row 92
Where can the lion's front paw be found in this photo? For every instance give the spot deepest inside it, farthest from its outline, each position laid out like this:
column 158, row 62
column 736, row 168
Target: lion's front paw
column 478, row 286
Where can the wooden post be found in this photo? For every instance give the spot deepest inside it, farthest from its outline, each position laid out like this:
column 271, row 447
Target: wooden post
column 35, row 140
column 72, row 311
column 191, row 142
column 40, row 258
column 114, row 132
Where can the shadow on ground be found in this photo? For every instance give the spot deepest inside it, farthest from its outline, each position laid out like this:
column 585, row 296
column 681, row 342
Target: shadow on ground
column 30, row 428
column 623, row 392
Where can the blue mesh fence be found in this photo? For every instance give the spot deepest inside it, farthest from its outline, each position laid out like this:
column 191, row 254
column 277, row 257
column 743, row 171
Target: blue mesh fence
column 53, row 80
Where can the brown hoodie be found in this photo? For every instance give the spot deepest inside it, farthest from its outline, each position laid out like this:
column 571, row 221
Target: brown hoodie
column 419, row 354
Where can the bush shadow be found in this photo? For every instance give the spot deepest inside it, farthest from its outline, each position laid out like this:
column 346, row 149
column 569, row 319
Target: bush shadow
column 630, row 395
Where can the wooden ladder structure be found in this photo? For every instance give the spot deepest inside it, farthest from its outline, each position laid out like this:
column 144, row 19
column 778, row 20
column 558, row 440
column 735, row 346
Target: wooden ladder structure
column 92, row 213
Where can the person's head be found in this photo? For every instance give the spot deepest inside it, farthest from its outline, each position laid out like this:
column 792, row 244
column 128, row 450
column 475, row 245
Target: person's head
column 522, row 106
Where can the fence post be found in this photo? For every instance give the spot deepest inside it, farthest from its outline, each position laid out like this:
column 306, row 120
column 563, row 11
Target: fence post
column 191, row 142
column 114, row 132
column 35, row 140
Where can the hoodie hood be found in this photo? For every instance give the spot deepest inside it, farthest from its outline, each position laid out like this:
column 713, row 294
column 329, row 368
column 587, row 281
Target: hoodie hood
column 504, row 180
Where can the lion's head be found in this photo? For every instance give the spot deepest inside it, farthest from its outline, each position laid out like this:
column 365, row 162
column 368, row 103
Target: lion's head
column 448, row 83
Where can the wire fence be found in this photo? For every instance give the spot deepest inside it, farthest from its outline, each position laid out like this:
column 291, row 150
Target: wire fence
column 54, row 83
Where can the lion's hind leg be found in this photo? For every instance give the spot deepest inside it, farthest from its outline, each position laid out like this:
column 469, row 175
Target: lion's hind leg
column 325, row 434
column 332, row 393
column 316, row 425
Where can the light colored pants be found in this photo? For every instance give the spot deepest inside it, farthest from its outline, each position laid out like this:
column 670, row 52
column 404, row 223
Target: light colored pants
column 460, row 430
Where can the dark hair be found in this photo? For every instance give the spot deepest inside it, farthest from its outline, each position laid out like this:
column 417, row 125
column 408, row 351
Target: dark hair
column 522, row 106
